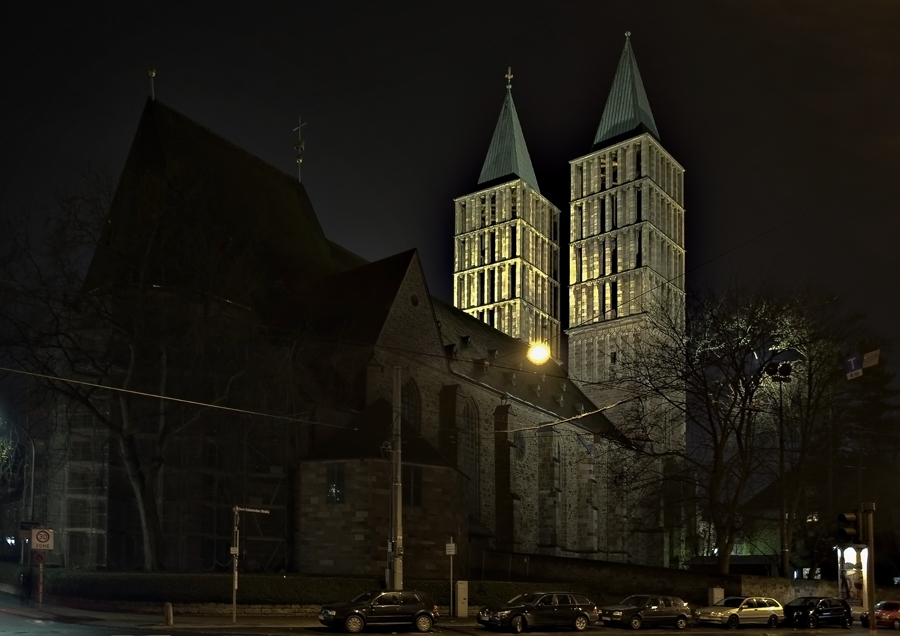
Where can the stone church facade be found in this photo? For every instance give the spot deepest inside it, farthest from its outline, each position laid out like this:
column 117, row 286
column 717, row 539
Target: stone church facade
column 498, row 453
column 626, row 250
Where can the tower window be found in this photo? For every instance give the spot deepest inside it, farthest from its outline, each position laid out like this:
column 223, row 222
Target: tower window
column 409, row 405
column 412, row 486
column 480, row 299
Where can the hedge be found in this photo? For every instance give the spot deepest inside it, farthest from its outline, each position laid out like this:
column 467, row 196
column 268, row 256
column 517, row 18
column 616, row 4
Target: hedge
column 255, row 589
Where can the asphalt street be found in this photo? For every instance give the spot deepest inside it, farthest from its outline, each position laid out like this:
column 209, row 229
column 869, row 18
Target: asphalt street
column 17, row 622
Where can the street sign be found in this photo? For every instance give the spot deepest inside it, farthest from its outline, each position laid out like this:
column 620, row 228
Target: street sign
column 871, row 359
column 232, row 550
column 451, row 549
column 38, row 557
column 41, row 539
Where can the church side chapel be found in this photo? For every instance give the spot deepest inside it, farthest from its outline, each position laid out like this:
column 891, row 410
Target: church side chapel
column 498, row 452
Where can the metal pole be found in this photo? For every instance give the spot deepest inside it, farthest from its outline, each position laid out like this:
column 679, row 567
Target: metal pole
column 450, row 610
column 869, row 516
column 785, row 551
column 397, row 565
column 235, row 537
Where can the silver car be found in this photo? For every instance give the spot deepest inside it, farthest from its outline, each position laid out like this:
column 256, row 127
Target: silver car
column 732, row 611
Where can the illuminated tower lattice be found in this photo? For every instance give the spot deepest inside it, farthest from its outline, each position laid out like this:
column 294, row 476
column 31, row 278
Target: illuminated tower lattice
column 627, row 233
column 506, row 235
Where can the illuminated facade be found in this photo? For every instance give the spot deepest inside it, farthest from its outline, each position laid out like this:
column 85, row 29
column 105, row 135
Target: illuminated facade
column 506, row 236
column 627, row 234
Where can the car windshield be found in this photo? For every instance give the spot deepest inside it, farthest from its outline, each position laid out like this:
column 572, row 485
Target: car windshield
column 365, row 596
column 636, row 601
column 803, row 602
column 731, row 601
column 523, row 599
column 888, row 606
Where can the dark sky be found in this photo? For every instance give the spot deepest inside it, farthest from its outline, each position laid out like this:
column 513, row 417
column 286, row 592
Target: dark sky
column 786, row 115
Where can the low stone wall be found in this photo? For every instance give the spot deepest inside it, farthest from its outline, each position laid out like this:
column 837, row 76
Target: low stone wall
column 619, row 580
column 183, row 609
column 785, row 590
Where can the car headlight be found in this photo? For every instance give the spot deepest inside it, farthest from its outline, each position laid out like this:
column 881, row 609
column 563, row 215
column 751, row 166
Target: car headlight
column 617, row 613
column 329, row 612
column 717, row 614
column 502, row 614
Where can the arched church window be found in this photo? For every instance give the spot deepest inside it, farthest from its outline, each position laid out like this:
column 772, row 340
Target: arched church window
column 468, row 452
column 409, row 405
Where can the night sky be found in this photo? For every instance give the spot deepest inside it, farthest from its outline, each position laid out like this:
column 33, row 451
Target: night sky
column 786, row 115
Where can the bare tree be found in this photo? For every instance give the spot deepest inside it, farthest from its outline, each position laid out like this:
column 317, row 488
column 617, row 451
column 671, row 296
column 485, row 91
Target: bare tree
column 708, row 372
column 144, row 325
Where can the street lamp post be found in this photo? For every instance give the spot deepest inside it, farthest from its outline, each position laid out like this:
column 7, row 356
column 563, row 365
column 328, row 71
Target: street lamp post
column 780, row 372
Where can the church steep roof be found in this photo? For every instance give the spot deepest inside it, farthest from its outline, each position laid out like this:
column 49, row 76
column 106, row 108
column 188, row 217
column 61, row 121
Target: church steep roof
column 186, row 191
column 507, row 155
column 627, row 111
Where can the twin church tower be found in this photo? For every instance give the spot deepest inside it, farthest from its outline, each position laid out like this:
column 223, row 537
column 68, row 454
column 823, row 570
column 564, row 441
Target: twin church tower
column 625, row 244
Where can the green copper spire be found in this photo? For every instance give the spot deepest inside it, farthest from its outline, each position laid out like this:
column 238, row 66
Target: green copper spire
column 508, row 155
column 627, row 110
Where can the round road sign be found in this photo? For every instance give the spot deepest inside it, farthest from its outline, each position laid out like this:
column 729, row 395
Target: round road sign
column 42, row 536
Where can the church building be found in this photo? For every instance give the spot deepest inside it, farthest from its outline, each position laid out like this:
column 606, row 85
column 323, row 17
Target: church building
column 227, row 258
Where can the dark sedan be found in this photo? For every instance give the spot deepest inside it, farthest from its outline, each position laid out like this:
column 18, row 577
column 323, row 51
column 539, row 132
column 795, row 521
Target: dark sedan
column 409, row 607
column 812, row 611
column 540, row 610
column 647, row 609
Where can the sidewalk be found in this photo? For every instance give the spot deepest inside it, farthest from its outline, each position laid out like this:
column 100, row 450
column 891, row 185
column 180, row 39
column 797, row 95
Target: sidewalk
column 62, row 614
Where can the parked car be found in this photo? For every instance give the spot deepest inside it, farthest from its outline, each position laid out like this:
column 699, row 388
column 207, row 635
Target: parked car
column 540, row 609
column 647, row 609
column 812, row 611
column 381, row 607
column 732, row 611
column 887, row 614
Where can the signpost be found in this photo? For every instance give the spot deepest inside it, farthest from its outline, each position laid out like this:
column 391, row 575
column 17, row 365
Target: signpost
column 236, row 542
column 450, row 550
column 41, row 543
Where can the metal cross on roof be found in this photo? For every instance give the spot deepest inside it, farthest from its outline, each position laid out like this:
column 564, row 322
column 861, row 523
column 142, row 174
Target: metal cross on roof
column 508, row 77
column 299, row 145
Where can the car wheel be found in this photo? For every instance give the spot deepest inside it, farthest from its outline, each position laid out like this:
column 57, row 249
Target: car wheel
column 846, row 622
column 635, row 622
column 812, row 621
column 773, row 622
column 896, row 623
column 354, row 624
column 517, row 624
column 680, row 622
column 581, row 622
column 423, row 623
column 733, row 622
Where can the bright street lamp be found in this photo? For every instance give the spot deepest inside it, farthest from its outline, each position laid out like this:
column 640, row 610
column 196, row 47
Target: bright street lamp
column 538, row 353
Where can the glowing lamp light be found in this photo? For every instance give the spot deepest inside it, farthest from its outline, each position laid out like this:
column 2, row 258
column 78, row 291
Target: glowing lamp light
column 538, row 353
column 850, row 555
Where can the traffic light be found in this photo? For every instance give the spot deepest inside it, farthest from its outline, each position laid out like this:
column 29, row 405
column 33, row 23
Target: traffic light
column 848, row 528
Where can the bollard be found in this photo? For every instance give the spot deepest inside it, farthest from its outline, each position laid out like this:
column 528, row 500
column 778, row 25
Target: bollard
column 170, row 618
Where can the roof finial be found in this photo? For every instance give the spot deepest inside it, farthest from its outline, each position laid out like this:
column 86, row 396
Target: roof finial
column 151, row 73
column 299, row 145
column 627, row 34
column 508, row 77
